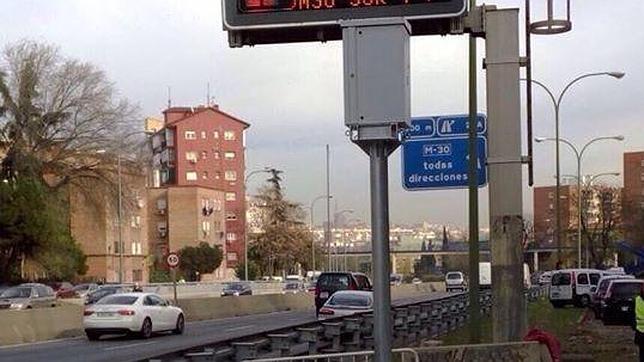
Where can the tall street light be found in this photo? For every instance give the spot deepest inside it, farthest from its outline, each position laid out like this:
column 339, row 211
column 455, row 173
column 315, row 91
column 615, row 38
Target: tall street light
column 556, row 102
column 579, row 154
column 311, row 226
column 254, row 172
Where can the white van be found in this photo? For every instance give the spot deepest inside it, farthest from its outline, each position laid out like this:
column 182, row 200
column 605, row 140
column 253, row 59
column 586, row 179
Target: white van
column 485, row 275
column 573, row 286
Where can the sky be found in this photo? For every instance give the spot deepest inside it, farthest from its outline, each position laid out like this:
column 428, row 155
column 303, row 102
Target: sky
column 292, row 94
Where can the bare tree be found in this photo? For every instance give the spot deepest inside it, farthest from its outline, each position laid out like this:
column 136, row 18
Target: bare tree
column 55, row 113
column 600, row 222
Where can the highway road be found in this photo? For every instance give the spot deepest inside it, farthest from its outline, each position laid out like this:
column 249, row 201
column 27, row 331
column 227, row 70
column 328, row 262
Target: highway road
column 124, row 349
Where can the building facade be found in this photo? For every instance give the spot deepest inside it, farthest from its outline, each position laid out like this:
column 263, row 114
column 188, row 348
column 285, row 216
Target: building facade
column 94, row 225
column 633, row 197
column 198, row 164
column 545, row 214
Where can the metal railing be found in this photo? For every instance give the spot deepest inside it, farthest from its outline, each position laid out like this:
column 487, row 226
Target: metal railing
column 399, row 354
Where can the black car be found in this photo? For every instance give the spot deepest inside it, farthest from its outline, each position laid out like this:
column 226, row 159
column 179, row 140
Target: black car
column 618, row 304
column 236, row 289
column 329, row 283
column 103, row 291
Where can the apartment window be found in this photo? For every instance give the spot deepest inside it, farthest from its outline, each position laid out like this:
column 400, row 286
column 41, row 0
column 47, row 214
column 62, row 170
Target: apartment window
column 205, row 227
column 229, row 155
column 231, row 217
column 204, row 175
column 191, row 156
column 204, row 155
column 216, row 155
column 190, row 135
column 215, row 134
column 642, row 163
column 229, row 135
column 231, row 196
column 135, row 221
column 217, row 175
column 231, row 256
column 136, row 248
column 117, row 250
column 231, row 236
column 551, row 195
column 191, row 176
column 230, row 176
column 203, row 135
column 137, row 275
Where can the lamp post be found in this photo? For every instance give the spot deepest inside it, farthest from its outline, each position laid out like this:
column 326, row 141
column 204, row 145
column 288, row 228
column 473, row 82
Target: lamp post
column 254, row 172
column 311, row 226
column 556, row 102
column 579, row 155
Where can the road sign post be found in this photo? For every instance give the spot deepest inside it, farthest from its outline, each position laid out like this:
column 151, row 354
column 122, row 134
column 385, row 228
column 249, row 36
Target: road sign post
column 172, row 260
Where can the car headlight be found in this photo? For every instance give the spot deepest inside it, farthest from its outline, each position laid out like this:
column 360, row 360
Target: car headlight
column 16, row 305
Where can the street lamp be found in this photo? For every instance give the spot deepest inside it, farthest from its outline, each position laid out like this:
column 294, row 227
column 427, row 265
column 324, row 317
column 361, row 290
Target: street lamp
column 579, row 155
column 311, row 208
column 556, row 102
column 254, row 172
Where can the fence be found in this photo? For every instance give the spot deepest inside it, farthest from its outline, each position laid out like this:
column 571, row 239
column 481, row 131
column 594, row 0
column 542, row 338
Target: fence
column 399, row 354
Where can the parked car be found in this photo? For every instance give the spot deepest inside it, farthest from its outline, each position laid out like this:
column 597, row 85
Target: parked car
column 573, row 286
column 81, row 290
column 455, row 280
column 102, row 292
column 331, row 282
column 132, row 313
column 618, row 304
column 600, row 291
column 395, row 279
column 60, row 286
column 545, row 278
column 416, row 281
column 236, row 289
column 293, row 288
column 28, row 296
column 346, row 302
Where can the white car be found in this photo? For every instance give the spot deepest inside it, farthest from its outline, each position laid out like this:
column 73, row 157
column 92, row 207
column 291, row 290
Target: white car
column 132, row 313
column 346, row 302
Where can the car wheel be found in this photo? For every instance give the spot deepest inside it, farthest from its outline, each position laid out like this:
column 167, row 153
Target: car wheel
column 146, row 329
column 93, row 336
column 584, row 301
column 180, row 326
column 557, row 304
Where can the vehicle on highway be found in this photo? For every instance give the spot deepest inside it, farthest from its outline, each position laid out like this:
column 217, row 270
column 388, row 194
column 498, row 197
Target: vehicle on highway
column 78, row 291
column 416, row 281
column 395, row 279
column 346, row 302
column 28, row 296
column 573, row 286
column 293, row 288
column 132, row 313
column 455, row 280
column 545, row 278
column 617, row 305
column 236, row 289
column 294, row 278
column 600, row 290
column 331, row 282
column 102, row 292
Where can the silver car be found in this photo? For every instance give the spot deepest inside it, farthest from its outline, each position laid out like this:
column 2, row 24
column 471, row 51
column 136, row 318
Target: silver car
column 346, row 302
column 27, row 296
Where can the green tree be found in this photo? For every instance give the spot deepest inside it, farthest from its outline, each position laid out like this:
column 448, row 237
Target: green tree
column 285, row 241
column 200, row 259
column 32, row 227
column 253, row 270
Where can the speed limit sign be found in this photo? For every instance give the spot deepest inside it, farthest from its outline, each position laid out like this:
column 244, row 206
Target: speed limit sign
column 172, row 260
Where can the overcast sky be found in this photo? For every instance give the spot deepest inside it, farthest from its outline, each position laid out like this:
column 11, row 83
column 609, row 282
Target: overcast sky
column 292, row 94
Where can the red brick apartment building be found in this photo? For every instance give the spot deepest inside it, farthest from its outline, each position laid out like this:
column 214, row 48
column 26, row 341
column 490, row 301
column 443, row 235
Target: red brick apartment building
column 545, row 213
column 633, row 196
column 197, row 182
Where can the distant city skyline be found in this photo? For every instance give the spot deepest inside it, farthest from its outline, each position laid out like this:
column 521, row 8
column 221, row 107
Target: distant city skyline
column 292, row 94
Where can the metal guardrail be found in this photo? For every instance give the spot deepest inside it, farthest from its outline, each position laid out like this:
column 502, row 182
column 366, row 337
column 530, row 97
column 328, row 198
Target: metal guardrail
column 399, row 354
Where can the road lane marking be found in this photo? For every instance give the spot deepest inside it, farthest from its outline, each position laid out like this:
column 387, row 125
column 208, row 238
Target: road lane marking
column 240, row 328
column 31, row 344
column 129, row 346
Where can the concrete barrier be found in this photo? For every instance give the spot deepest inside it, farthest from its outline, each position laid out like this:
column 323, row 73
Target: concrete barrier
column 513, row 351
column 415, row 290
column 33, row 325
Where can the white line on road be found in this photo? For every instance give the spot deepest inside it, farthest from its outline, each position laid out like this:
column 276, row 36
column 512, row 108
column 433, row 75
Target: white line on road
column 240, row 328
column 128, row 346
column 31, row 344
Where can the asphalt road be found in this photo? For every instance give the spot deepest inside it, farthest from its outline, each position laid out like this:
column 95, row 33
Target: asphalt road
column 122, row 349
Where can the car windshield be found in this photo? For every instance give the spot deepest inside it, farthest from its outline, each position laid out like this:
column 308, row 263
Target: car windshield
column 81, row 287
column 103, row 292
column 16, row 293
column 351, row 300
column 291, row 286
column 603, row 285
column 235, row 286
column 119, row 300
column 334, row 281
column 561, row 279
column 626, row 289
column 453, row 276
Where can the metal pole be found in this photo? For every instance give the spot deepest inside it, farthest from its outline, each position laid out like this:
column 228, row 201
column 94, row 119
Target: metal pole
column 579, row 205
column 120, row 214
column 557, row 190
column 312, row 239
column 475, row 308
column 505, row 174
column 378, row 153
column 327, row 233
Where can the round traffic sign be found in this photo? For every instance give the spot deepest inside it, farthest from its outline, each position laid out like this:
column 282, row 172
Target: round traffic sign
column 172, row 260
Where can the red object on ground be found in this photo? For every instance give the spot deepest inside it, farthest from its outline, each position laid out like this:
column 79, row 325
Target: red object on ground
column 554, row 347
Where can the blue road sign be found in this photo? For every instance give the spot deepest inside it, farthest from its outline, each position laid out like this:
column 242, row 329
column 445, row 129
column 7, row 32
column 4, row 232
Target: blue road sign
column 440, row 163
column 435, row 152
